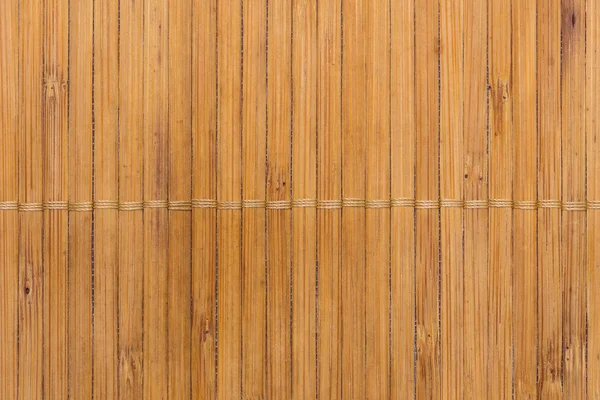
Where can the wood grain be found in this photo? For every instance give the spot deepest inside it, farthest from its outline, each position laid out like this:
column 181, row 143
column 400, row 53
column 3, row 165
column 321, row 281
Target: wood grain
column 499, row 287
column 131, row 188
column 304, row 186
column 10, row 95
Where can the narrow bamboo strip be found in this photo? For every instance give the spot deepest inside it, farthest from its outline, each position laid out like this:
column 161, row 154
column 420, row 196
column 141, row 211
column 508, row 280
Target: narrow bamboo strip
column 9, row 190
column 524, row 81
column 279, row 123
column 56, row 91
column 354, row 116
column 304, row 189
column 179, row 274
column 592, row 27
column 80, row 192
column 229, row 187
column 403, row 142
column 131, row 188
column 204, row 219
column 254, row 294
column 106, row 186
column 549, row 299
column 329, row 180
column 30, row 182
column 453, row 313
column 427, row 48
column 476, row 216
column 573, row 234
column 156, row 216
column 377, row 215
column 499, row 285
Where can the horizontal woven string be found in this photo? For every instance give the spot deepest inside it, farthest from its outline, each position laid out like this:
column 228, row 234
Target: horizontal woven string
column 187, row 205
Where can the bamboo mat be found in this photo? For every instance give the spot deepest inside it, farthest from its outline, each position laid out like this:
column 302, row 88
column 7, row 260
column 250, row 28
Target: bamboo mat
column 300, row 199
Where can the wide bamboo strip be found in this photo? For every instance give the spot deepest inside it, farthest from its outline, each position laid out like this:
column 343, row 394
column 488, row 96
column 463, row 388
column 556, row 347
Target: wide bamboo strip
column 403, row 142
column 329, row 179
column 229, row 189
column 254, row 122
column 131, row 188
column 377, row 220
column 156, row 220
column 106, row 186
column 593, row 194
column 427, row 49
column 279, row 123
column 204, row 220
column 9, row 191
column 354, row 128
column 30, row 179
column 56, row 62
column 549, row 279
column 452, row 64
column 304, row 186
column 524, row 188
column 180, row 177
column 499, row 287
column 80, row 190
column 476, row 220
column 573, row 234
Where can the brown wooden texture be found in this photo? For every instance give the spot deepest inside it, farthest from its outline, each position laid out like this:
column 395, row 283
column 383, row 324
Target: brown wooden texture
column 299, row 199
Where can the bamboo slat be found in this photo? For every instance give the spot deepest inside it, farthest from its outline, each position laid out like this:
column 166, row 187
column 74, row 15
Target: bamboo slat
column 131, row 188
column 10, row 134
column 329, row 180
column 549, row 279
column 155, row 139
column 304, row 186
column 354, row 125
column 427, row 50
column 403, row 164
column 278, row 248
column 106, row 187
column 499, row 287
column 229, row 189
column 30, row 178
column 573, row 234
column 524, row 77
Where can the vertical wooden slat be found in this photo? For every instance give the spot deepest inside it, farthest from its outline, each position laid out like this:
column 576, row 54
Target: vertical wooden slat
column 254, row 122
column 524, row 189
column 180, row 175
column 427, row 181
column 106, row 173
column 204, row 220
column 453, row 313
column 549, row 277
column 573, row 233
column 56, row 64
column 377, row 232
column 476, row 296
column 131, row 189
column 30, row 191
column 304, row 186
column 354, row 147
column 9, row 192
column 329, row 188
column 80, row 191
column 403, row 141
column 156, row 220
column 229, row 50
column 279, row 106
column 593, row 194
column 500, row 216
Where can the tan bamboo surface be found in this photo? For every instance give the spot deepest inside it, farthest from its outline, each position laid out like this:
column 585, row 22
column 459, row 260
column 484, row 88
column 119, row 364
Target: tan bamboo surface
column 300, row 199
